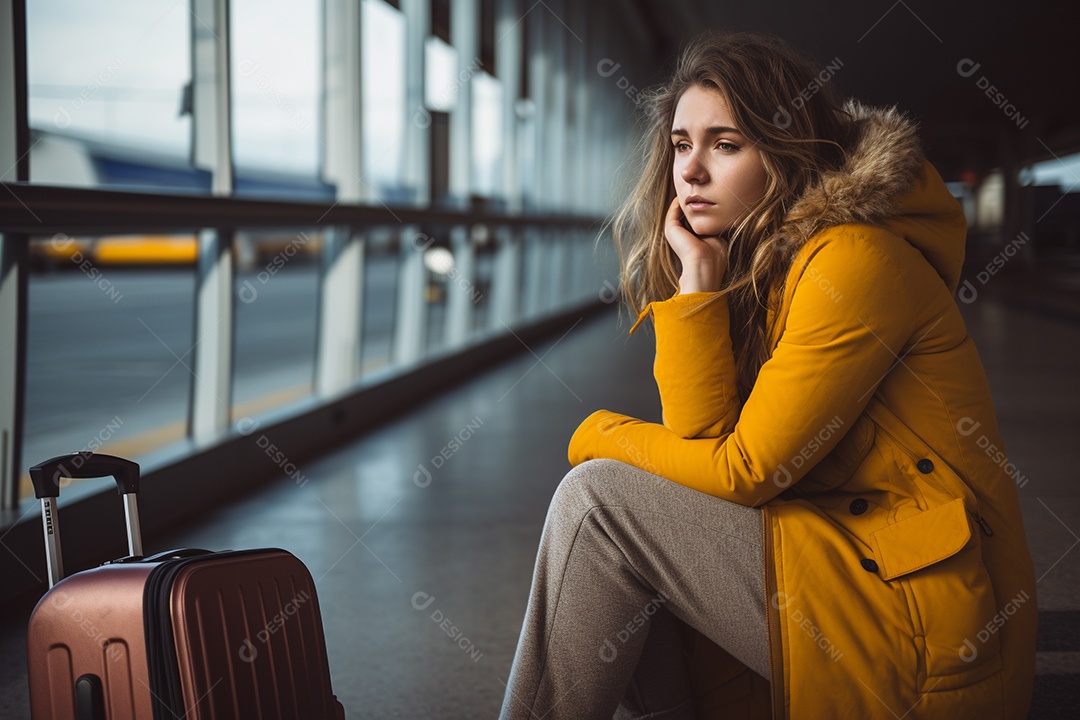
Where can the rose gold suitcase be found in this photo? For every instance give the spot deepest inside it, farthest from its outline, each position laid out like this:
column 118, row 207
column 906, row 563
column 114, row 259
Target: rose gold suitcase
column 184, row 634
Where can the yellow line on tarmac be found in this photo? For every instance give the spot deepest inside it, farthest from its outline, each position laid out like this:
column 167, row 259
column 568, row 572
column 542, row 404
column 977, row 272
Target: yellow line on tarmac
column 271, row 400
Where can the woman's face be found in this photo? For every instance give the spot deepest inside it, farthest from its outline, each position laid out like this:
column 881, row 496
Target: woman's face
column 717, row 171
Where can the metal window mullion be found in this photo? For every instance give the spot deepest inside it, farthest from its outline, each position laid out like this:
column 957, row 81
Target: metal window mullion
column 14, row 166
column 579, row 259
column 590, row 281
column 556, row 111
column 410, row 315
column 547, row 278
column 534, row 269
column 13, row 280
column 508, row 59
column 211, row 391
column 576, row 182
column 211, row 117
column 607, row 120
column 465, row 37
column 14, row 162
column 538, row 63
column 343, row 118
column 460, row 286
column 504, row 305
column 558, row 286
column 417, row 132
column 572, row 287
column 340, row 311
column 596, row 255
column 542, row 273
column 341, row 272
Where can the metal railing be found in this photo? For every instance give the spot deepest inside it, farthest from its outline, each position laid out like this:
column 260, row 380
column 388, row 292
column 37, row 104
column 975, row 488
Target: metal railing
column 499, row 272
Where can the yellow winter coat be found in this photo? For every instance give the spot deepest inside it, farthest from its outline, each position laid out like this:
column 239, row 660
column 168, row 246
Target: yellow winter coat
column 899, row 582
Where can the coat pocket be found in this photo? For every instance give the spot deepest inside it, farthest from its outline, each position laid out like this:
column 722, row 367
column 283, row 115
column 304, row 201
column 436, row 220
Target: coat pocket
column 937, row 559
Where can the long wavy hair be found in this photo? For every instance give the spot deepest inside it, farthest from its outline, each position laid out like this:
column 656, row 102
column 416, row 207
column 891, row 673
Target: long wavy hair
column 781, row 102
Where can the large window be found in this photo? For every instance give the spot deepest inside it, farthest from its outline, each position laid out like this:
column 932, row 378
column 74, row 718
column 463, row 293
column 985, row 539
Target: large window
column 276, row 285
column 487, row 135
column 383, row 102
column 109, row 345
column 381, row 269
column 127, row 329
column 106, row 97
column 276, row 75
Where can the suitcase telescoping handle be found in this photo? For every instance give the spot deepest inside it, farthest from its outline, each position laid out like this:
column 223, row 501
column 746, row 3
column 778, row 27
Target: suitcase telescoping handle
column 47, row 478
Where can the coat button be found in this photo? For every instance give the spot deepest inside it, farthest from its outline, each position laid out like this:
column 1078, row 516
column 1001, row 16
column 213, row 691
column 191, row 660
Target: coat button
column 926, row 466
column 858, row 506
column 869, row 565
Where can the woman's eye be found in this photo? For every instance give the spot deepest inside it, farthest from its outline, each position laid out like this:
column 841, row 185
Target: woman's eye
column 727, row 147
column 682, row 146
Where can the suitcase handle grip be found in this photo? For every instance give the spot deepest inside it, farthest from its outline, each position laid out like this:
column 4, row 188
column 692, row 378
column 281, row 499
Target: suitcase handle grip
column 46, row 476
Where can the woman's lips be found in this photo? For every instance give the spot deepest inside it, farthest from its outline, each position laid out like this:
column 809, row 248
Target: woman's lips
column 698, row 204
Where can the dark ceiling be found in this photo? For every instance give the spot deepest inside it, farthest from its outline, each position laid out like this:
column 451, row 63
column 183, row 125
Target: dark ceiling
column 907, row 52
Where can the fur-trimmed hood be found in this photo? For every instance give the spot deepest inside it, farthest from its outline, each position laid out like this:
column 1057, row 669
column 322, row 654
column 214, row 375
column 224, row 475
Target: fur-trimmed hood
column 887, row 181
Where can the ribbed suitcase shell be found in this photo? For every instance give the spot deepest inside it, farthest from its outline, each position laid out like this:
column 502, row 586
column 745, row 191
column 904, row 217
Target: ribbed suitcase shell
column 237, row 635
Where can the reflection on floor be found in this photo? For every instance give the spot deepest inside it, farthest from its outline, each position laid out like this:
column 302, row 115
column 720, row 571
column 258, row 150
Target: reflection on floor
column 442, row 509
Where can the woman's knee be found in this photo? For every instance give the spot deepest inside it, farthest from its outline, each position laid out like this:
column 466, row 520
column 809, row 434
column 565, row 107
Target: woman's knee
column 601, row 482
column 585, row 486
column 592, row 480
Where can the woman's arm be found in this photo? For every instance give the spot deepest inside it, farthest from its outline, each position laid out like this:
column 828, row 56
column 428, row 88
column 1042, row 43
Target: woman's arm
column 695, row 366
column 849, row 320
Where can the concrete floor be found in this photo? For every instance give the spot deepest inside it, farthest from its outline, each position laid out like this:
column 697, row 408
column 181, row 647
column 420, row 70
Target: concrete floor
column 443, row 509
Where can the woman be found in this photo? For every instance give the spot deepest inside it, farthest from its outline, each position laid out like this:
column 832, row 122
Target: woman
column 814, row 530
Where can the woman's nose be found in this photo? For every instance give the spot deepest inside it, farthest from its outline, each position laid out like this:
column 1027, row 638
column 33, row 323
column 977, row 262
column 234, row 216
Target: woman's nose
column 694, row 171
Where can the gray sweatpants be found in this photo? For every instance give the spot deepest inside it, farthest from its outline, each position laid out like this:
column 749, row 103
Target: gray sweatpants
column 627, row 557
